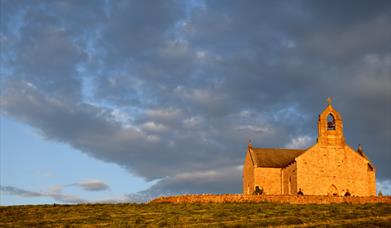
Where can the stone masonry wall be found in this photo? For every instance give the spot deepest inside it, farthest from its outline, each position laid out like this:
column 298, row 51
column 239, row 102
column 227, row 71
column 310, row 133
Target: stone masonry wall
column 321, row 168
column 289, row 182
column 248, row 175
column 372, row 182
column 239, row 198
column 269, row 179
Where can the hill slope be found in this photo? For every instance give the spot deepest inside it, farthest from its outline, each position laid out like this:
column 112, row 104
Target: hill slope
column 199, row 215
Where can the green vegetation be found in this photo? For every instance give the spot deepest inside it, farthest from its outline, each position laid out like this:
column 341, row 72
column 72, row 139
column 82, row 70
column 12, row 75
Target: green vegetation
column 196, row 215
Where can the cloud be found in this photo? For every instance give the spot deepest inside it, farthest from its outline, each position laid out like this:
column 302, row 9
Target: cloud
column 175, row 88
column 164, row 114
column 92, row 185
column 226, row 180
column 300, row 142
column 251, row 128
column 19, row 192
column 54, row 193
column 153, row 127
column 384, row 186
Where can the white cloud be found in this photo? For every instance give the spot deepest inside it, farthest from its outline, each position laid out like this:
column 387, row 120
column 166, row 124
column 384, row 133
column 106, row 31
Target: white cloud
column 92, row 185
column 384, row 186
column 192, row 122
column 202, row 97
column 253, row 128
column 164, row 114
column 246, row 113
column 300, row 142
column 120, row 116
column 152, row 138
column 174, row 48
column 154, row 127
column 288, row 44
column 201, row 55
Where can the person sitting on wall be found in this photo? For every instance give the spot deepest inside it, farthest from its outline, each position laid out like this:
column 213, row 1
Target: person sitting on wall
column 258, row 190
column 347, row 193
column 300, row 193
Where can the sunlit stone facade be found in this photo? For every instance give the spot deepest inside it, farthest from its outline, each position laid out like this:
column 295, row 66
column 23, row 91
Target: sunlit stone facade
column 330, row 167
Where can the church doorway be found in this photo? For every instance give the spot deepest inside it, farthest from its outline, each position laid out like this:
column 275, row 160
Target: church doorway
column 332, row 191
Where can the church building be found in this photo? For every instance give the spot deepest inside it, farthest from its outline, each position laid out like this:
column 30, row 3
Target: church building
column 330, row 167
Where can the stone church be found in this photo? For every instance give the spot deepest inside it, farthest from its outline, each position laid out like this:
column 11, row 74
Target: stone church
column 330, row 167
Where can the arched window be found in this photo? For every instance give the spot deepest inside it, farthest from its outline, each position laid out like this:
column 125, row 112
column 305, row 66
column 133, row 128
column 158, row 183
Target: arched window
column 330, row 122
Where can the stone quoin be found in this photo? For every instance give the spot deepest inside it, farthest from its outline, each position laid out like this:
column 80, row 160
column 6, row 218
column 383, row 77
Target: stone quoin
column 329, row 167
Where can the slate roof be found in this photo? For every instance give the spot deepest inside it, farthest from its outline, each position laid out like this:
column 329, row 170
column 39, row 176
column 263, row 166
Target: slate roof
column 274, row 158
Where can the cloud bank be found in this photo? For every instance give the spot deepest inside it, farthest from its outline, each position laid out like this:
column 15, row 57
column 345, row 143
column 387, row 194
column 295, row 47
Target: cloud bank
column 54, row 193
column 172, row 90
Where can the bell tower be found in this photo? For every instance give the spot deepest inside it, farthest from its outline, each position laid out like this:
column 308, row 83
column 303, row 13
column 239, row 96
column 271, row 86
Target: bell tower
column 330, row 127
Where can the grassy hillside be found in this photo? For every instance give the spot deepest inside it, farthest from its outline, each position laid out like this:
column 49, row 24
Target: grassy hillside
column 196, row 215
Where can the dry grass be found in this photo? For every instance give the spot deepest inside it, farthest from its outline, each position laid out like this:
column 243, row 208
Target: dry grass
column 196, row 215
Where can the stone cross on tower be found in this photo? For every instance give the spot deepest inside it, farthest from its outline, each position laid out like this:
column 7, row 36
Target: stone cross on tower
column 329, row 100
column 250, row 145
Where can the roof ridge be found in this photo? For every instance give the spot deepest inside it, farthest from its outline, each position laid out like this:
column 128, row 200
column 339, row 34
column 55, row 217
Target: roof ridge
column 275, row 157
column 277, row 148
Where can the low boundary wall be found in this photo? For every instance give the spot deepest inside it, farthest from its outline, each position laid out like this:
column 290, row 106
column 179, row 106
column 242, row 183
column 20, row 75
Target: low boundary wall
column 239, row 198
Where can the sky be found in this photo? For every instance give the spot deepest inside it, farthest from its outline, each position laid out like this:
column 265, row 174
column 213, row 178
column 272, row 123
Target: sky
column 122, row 101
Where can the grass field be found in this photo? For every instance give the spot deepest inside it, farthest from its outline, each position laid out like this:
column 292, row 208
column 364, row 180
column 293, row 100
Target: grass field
column 196, row 215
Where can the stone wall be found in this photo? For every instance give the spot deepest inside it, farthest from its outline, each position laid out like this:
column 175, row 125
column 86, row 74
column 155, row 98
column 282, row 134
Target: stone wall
column 372, row 181
column 322, row 169
column 239, row 198
column 289, row 181
column 269, row 179
column 248, row 174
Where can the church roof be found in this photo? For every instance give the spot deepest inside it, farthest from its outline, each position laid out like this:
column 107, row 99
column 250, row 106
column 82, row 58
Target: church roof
column 274, row 158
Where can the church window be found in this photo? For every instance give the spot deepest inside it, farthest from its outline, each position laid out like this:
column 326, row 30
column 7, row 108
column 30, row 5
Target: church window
column 330, row 122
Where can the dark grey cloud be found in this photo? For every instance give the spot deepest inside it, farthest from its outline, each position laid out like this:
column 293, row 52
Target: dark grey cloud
column 173, row 91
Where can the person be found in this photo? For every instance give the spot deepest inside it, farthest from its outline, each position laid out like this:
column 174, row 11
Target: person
column 347, row 193
column 258, row 191
column 300, row 193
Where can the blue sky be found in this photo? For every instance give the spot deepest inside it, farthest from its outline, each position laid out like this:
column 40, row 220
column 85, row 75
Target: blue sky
column 127, row 100
column 31, row 162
